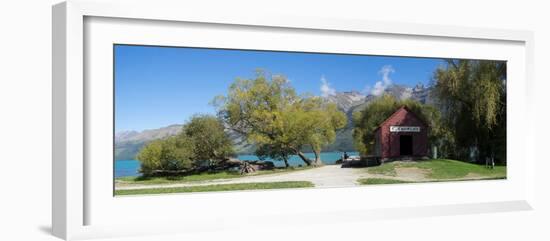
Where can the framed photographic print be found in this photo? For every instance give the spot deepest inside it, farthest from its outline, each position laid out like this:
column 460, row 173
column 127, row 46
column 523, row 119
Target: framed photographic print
column 181, row 125
column 296, row 118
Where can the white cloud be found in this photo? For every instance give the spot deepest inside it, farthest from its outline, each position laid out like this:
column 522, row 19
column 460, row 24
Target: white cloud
column 381, row 85
column 326, row 90
column 378, row 89
column 406, row 94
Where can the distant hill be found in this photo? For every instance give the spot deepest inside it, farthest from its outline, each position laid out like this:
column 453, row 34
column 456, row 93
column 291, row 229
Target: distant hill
column 128, row 143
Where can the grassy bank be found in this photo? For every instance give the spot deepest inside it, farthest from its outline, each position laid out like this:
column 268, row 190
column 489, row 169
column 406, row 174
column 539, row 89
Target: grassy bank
column 218, row 187
column 207, row 176
column 442, row 169
column 374, row 181
column 438, row 170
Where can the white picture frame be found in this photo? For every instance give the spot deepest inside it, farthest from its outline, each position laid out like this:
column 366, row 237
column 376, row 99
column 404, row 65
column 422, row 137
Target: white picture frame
column 75, row 198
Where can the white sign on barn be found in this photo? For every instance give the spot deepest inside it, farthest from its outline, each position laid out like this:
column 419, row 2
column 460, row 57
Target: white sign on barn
column 404, row 128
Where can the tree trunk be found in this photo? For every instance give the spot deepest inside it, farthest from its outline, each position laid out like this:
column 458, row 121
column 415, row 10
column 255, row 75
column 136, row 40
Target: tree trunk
column 247, row 168
column 317, row 161
column 286, row 163
column 304, row 157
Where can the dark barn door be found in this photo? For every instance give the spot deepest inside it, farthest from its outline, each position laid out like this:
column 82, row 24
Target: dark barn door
column 405, row 145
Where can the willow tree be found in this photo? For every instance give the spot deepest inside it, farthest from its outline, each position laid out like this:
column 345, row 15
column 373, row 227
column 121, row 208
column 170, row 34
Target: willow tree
column 268, row 113
column 472, row 96
column 314, row 122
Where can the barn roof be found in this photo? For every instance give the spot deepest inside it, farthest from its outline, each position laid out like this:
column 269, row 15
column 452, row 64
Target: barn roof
column 395, row 113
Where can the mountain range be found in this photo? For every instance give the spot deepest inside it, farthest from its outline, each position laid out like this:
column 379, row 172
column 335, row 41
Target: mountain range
column 128, row 143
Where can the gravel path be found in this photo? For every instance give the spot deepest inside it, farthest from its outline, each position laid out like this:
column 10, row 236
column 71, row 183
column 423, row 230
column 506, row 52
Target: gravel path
column 325, row 176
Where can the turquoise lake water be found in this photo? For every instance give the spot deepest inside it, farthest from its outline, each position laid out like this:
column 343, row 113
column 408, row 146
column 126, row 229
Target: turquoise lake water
column 124, row 168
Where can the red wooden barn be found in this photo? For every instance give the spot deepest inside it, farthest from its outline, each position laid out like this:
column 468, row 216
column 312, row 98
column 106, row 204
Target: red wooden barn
column 402, row 135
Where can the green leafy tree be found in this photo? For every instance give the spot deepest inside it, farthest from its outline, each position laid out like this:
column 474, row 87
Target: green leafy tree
column 472, row 96
column 367, row 120
column 150, row 157
column 202, row 141
column 178, row 154
column 269, row 113
column 315, row 123
column 170, row 155
column 210, row 141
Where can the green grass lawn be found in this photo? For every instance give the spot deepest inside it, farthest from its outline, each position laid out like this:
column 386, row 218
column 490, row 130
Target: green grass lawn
column 207, row 176
column 387, row 169
column 450, row 169
column 179, row 179
column 373, row 181
column 218, row 187
column 441, row 169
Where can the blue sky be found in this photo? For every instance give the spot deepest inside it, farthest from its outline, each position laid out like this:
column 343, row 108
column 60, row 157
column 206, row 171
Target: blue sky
column 160, row 86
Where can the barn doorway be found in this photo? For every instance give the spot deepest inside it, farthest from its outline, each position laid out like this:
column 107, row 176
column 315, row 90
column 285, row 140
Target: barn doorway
column 405, row 145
